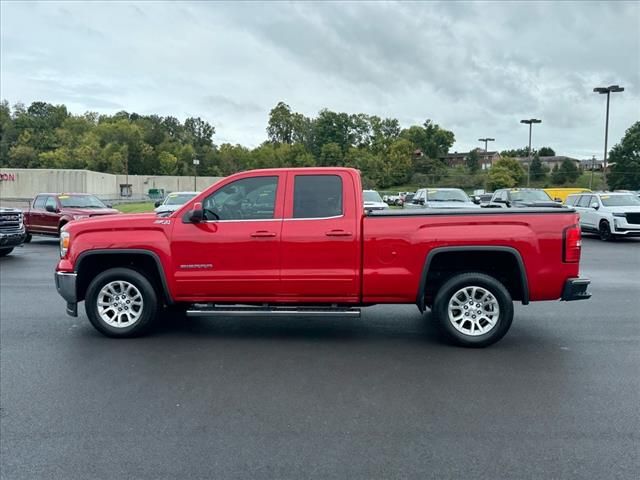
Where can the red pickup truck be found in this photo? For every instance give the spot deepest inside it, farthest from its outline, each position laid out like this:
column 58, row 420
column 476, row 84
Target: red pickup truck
column 298, row 242
column 49, row 212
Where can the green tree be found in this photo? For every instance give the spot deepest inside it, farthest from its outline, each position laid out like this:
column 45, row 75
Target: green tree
column 500, row 177
column 473, row 161
column 513, row 167
column 546, row 152
column 567, row 172
column 281, row 124
column 331, row 155
column 537, row 171
column 625, row 160
column 168, row 163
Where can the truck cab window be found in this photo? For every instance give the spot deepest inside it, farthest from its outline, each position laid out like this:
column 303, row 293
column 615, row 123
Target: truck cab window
column 51, row 201
column 317, row 196
column 246, row 199
column 39, row 203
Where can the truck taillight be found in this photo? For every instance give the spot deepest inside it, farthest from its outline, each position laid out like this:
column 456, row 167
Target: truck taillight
column 572, row 245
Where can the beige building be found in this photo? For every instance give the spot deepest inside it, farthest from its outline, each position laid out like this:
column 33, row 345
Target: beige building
column 25, row 183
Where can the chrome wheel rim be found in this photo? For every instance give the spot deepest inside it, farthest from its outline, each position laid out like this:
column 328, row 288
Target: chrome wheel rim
column 473, row 311
column 120, row 304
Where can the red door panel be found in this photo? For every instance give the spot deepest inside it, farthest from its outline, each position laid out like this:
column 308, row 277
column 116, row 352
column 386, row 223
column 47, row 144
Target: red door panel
column 320, row 253
column 234, row 255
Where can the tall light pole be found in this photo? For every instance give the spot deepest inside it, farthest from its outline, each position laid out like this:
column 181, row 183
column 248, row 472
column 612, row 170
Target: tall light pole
column 196, row 162
column 530, row 122
column 485, row 140
column 607, row 91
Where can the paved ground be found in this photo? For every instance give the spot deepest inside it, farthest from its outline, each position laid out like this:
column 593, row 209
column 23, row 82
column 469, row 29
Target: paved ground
column 379, row 397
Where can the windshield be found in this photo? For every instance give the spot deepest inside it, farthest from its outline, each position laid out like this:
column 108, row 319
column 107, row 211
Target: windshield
column 530, row 196
column 619, row 200
column 454, row 195
column 371, row 196
column 80, row 201
column 178, row 198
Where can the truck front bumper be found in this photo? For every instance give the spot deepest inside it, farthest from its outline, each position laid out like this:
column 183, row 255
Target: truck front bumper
column 12, row 239
column 576, row 289
column 66, row 286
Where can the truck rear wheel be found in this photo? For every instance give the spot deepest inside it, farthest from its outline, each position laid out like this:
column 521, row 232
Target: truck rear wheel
column 121, row 302
column 473, row 309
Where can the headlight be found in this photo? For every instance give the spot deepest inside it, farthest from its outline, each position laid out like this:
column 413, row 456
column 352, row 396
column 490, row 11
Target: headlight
column 623, row 215
column 65, row 241
column 80, row 217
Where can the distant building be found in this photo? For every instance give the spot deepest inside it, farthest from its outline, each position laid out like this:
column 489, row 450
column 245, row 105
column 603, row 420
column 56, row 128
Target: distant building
column 592, row 163
column 551, row 162
column 486, row 159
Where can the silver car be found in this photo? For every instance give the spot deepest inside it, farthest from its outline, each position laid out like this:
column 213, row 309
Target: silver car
column 173, row 202
column 441, row 198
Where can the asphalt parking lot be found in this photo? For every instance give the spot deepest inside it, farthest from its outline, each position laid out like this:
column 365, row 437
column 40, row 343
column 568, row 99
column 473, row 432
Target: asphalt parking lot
column 377, row 397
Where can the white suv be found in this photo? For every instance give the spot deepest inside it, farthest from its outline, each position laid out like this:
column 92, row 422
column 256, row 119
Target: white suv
column 607, row 214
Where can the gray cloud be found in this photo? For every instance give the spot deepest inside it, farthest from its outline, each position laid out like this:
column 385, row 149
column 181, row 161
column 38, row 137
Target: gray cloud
column 476, row 68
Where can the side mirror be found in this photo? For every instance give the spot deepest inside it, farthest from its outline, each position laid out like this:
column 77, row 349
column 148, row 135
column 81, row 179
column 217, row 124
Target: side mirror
column 108, row 205
column 476, row 200
column 595, row 205
column 158, row 203
column 196, row 215
column 559, row 200
column 50, row 209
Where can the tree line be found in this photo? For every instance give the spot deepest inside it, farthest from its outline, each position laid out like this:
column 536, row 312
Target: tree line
column 43, row 135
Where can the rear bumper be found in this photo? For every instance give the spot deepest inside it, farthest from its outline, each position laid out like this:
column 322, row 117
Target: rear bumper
column 576, row 289
column 66, row 286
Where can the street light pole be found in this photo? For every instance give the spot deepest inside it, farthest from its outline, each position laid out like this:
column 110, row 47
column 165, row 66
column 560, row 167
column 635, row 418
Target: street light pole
column 530, row 122
column 196, row 162
column 485, row 140
column 606, row 90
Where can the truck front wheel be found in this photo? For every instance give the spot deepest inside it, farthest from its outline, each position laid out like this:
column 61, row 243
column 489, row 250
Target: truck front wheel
column 473, row 309
column 121, row 302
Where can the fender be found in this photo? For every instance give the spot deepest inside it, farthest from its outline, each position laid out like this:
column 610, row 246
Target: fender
column 135, row 251
column 471, row 248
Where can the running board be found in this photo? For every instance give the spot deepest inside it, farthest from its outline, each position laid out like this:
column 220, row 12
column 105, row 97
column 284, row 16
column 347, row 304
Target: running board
column 208, row 310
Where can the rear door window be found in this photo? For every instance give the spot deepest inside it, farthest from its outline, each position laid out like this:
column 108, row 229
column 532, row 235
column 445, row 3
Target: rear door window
column 317, row 196
column 571, row 200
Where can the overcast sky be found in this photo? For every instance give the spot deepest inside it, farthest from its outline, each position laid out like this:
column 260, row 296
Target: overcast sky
column 474, row 68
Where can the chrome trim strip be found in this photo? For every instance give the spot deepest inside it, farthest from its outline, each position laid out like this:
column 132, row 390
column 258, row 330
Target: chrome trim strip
column 314, row 218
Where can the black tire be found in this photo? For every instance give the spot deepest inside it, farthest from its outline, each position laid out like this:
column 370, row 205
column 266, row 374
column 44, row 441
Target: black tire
column 27, row 239
column 604, row 231
column 148, row 312
column 493, row 287
column 5, row 251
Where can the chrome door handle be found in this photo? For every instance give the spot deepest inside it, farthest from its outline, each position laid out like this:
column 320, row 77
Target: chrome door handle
column 263, row 234
column 338, row 233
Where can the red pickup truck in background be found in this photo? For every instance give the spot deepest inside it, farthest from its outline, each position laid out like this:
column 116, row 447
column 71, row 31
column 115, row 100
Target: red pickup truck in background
column 298, row 242
column 49, row 212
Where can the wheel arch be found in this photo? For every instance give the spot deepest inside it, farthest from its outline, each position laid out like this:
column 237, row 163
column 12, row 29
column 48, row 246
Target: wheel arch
column 521, row 292
column 146, row 262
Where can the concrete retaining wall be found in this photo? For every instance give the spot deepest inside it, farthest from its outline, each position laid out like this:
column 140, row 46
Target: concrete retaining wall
column 25, row 183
